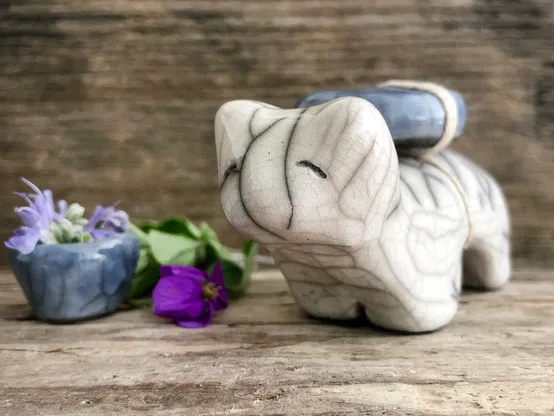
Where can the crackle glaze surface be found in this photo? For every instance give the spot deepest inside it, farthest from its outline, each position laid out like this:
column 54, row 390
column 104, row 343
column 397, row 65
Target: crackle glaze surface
column 353, row 228
column 78, row 281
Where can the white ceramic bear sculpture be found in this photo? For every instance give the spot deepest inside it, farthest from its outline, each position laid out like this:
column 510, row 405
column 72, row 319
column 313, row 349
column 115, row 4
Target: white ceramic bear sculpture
column 353, row 227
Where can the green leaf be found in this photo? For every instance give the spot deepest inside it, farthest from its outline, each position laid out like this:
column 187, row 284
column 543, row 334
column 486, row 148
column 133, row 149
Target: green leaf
column 145, row 302
column 250, row 250
column 220, row 251
column 145, row 280
column 179, row 241
column 172, row 249
column 180, row 226
column 141, row 235
column 233, row 278
column 238, row 279
column 144, row 259
column 207, row 257
column 148, row 225
column 207, row 233
column 211, row 250
column 211, row 253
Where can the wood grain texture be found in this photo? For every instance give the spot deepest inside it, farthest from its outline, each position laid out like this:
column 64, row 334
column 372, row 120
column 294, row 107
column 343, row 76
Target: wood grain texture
column 262, row 356
column 103, row 100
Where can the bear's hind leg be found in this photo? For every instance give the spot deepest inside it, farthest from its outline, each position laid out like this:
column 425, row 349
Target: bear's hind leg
column 487, row 262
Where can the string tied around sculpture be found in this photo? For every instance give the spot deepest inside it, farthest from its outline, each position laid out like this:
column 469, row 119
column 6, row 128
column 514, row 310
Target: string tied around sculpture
column 449, row 131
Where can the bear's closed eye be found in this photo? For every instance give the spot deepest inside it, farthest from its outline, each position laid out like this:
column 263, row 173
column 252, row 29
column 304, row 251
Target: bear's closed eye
column 319, row 172
column 231, row 169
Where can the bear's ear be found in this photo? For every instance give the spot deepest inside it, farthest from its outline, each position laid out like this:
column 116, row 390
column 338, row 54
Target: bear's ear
column 365, row 160
column 234, row 116
column 233, row 124
column 237, row 116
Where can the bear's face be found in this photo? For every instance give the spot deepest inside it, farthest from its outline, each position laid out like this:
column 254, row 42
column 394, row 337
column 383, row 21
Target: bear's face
column 314, row 176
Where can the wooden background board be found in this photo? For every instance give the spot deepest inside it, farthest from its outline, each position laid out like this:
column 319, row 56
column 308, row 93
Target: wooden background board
column 262, row 356
column 103, row 100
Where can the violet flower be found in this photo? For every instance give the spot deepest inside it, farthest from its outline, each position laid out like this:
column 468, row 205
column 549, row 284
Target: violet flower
column 36, row 218
column 106, row 221
column 42, row 224
column 189, row 296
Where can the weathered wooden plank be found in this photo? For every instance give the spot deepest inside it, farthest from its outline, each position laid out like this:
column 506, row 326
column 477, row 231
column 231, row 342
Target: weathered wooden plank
column 102, row 100
column 262, row 356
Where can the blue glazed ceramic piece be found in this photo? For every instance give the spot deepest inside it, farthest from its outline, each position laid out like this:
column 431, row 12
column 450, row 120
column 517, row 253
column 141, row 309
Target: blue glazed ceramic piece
column 73, row 282
column 415, row 118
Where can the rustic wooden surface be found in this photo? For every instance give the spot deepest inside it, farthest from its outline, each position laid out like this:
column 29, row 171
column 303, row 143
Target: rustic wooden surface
column 102, row 100
column 262, row 356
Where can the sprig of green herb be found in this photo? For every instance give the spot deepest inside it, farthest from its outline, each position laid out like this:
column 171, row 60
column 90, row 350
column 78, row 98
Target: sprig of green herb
column 178, row 241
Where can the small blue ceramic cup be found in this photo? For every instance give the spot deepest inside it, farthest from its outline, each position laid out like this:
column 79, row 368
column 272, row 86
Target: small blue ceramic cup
column 68, row 283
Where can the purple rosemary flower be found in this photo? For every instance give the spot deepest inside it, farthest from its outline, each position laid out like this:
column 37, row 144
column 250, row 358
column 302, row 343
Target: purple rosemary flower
column 106, row 221
column 189, row 296
column 36, row 219
column 42, row 224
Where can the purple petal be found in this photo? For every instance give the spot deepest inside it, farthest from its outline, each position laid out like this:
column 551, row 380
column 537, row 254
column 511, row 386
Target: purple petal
column 175, row 296
column 217, row 275
column 24, row 240
column 42, row 202
column 107, row 218
column 99, row 215
column 99, row 234
column 28, row 216
column 45, row 214
column 201, row 321
column 36, row 218
column 24, row 196
column 221, row 301
column 31, row 185
column 190, row 311
column 62, row 207
column 49, row 203
column 118, row 220
column 187, row 272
